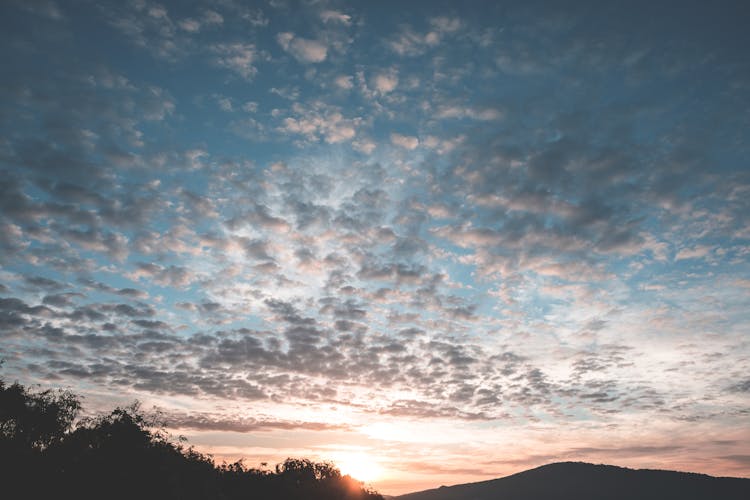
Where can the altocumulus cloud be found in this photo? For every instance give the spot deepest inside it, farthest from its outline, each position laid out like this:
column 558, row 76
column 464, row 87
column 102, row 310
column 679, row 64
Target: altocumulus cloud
column 402, row 215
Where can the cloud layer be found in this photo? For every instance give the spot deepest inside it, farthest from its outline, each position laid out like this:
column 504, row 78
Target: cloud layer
column 355, row 224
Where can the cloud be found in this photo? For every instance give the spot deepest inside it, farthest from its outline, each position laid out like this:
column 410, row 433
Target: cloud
column 743, row 460
column 111, row 243
column 250, row 107
column 172, row 275
column 364, row 146
column 408, row 42
column 741, row 386
column 420, row 409
column 333, row 16
column 149, row 26
column 385, row 82
column 627, row 451
column 61, row 299
column 696, row 252
column 343, row 82
column 44, row 8
column 237, row 57
column 210, row 18
column 447, row 111
column 445, row 24
column 304, row 50
column 213, row 17
column 320, row 121
column 214, row 422
column 43, row 283
column 404, row 141
column 190, row 25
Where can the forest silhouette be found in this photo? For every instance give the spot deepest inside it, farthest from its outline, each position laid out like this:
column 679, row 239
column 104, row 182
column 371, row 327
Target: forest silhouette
column 48, row 451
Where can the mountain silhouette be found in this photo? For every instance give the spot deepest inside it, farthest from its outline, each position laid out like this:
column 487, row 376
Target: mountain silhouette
column 583, row 481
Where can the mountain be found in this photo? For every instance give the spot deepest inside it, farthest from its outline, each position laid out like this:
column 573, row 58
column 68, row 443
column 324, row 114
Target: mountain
column 582, row 481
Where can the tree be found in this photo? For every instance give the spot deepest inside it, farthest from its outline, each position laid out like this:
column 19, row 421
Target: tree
column 35, row 421
column 46, row 453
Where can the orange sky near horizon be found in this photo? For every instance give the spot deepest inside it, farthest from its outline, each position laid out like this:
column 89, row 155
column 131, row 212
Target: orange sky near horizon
column 402, row 456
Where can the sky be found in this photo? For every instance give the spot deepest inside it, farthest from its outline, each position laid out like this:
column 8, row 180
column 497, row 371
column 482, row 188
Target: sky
column 433, row 242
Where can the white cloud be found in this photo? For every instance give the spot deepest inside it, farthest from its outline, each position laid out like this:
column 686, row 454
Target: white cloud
column 157, row 104
column 290, row 93
column 340, row 131
column 446, row 24
column 250, row 106
column 238, row 57
column 213, row 17
column 148, row 26
column 365, row 146
column 343, row 82
column 255, row 18
column 285, row 40
column 210, row 18
column 303, row 49
column 410, row 43
column 486, row 114
column 193, row 158
column 459, row 112
column 335, row 17
column 385, row 82
column 158, row 12
column 190, row 25
column 225, row 103
column 404, row 141
column 320, row 121
column 697, row 252
column 443, row 146
column 108, row 80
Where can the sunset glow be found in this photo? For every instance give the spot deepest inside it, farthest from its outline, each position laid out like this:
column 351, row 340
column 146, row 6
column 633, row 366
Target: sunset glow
column 360, row 466
column 430, row 242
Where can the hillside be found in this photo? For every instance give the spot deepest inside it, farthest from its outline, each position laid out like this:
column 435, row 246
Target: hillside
column 582, row 481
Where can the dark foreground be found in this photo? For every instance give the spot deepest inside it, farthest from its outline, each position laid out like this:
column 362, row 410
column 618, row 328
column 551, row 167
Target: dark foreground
column 46, row 452
column 582, row 481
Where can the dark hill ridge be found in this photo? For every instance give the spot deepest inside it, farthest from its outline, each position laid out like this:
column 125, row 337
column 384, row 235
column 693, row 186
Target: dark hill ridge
column 582, row 481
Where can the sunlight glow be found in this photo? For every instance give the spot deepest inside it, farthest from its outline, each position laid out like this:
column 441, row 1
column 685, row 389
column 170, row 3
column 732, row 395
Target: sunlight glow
column 358, row 465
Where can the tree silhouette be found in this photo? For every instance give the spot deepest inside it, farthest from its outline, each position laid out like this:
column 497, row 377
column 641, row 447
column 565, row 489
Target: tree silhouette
column 46, row 453
column 31, row 426
column 34, row 421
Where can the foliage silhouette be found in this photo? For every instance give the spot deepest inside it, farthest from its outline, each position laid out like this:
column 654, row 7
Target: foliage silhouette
column 46, row 452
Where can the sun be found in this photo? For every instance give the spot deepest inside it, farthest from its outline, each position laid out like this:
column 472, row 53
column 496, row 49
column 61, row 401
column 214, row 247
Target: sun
column 358, row 465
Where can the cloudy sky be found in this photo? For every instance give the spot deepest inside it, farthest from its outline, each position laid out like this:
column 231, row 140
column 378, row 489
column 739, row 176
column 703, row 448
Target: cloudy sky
column 451, row 240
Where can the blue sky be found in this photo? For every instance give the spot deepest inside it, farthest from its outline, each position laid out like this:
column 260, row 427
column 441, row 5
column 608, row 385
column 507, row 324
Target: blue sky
column 403, row 233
